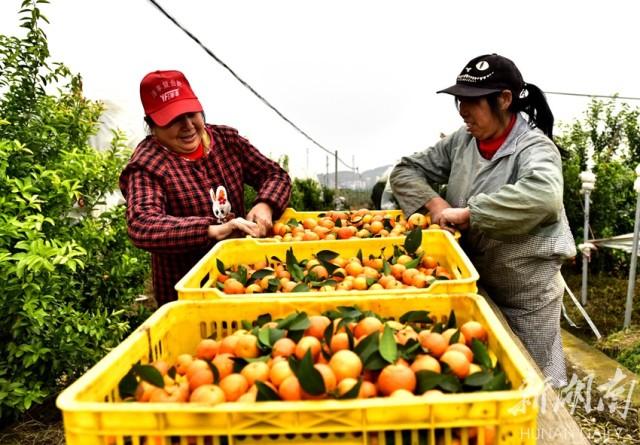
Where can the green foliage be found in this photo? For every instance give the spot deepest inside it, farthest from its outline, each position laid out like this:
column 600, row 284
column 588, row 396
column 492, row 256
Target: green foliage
column 630, row 358
column 308, row 194
column 614, row 132
column 68, row 274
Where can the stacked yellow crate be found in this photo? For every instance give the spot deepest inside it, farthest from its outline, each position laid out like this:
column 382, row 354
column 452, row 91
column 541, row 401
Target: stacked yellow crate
column 94, row 411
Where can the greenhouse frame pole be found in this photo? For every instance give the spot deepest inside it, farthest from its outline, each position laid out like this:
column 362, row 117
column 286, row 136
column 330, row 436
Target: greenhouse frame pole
column 634, row 255
column 588, row 183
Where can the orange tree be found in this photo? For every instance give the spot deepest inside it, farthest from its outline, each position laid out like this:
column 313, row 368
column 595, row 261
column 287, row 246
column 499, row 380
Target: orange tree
column 68, row 275
column 613, row 129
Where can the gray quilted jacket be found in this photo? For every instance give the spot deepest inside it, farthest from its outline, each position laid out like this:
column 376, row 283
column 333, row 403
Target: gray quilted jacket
column 518, row 223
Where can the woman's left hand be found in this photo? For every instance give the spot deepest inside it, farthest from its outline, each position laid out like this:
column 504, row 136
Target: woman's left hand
column 262, row 215
column 458, row 217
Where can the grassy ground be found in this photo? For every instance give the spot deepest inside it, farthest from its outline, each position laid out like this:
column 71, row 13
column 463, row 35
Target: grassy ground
column 606, row 298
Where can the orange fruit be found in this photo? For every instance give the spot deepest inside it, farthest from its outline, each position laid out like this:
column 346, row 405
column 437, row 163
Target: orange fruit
column 457, row 362
column 228, row 344
column 433, row 342
column 367, row 389
column 143, row 391
column 209, row 394
column 345, row 363
column 279, row 229
column 405, row 334
column 394, row 377
column 370, row 272
column 247, row 346
column 360, row 283
column 366, row 326
column 407, row 276
column 224, row 364
column 402, row 393
column 207, row 348
column 429, row 262
column 309, row 223
column 388, row 282
column 339, row 342
column 376, row 227
column 290, row 389
column 328, row 376
column 196, row 365
column 447, row 334
column 419, row 280
column 279, row 372
column 354, row 268
column 283, row 347
column 234, row 385
column 397, row 270
column 326, row 222
column 288, row 286
column 233, row 286
column 255, row 371
column 253, row 288
column 425, row 362
column 416, row 220
column 473, row 329
column 182, row 363
column 462, row 348
column 318, row 323
column 200, row 377
column 403, row 259
column 345, row 233
column 308, row 343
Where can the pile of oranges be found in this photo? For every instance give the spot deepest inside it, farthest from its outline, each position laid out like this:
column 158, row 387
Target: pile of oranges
column 329, row 271
column 361, row 223
column 343, row 353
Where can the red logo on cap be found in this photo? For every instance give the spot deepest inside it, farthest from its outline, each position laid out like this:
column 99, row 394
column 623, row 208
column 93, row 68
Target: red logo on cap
column 166, row 95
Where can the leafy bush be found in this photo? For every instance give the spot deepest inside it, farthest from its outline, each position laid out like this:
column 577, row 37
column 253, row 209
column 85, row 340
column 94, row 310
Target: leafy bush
column 630, row 358
column 68, row 275
column 306, row 194
column 614, row 132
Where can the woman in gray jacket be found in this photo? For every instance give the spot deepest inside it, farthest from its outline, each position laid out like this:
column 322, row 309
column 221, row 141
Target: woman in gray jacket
column 504, row 188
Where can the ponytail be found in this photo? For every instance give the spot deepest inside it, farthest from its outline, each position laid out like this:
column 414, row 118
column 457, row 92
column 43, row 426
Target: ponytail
column 533, row 102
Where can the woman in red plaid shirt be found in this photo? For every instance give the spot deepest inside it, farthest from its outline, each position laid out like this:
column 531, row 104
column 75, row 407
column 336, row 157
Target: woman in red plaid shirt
column 184, row 183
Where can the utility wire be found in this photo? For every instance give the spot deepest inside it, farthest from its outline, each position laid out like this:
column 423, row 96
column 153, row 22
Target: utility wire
column 239, row 79
column 592, row 95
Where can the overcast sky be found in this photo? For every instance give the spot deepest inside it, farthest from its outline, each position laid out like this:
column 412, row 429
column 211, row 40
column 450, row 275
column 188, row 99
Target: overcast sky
column 358, row 76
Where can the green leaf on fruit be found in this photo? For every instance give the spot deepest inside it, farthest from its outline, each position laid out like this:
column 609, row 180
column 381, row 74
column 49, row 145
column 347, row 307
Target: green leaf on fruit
column 388, row 345
column 265, row 392
column 480, row 354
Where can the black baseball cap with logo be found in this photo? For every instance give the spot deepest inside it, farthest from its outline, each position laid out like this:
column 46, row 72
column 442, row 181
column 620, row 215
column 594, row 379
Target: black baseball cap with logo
column 487, row 74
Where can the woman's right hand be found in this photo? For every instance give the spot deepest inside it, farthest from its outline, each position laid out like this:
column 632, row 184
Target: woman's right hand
column 435, row 207
column 222, row 231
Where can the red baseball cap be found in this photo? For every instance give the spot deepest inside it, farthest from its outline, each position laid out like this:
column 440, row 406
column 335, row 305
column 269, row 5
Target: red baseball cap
column 166, row 95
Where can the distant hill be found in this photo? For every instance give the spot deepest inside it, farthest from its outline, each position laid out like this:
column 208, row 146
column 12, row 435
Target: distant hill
column 350, row 180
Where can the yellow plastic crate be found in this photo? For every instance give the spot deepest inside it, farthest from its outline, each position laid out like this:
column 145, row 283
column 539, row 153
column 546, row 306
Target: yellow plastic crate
column 291, row 213
column 93, row 415
column 199, row 282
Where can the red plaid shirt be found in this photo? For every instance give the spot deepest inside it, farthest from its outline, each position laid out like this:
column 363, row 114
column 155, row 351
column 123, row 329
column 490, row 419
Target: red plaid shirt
column 169, row 209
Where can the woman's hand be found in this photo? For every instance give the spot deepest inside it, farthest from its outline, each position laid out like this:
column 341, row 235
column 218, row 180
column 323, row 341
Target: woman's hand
column 222, row 231
column 262, row 215
column 458, row 217
column 436, row 206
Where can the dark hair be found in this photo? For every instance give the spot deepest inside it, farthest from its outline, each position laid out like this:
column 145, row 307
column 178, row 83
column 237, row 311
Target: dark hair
column 535, row 105
column 531, row 100
column 150, row 123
